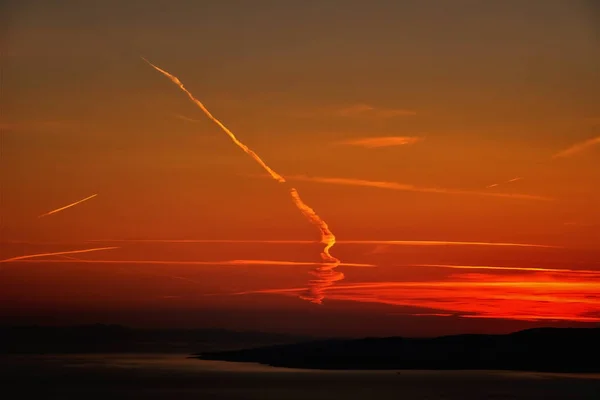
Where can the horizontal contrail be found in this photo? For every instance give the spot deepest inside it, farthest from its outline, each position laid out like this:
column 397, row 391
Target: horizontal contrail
column 387, row 141
column 532, row 269
column 539, row 297
column 302, row 263
column 166, row 262
column 532, row 317
column 57, row 253
column 444, row 243
column 367, row 242
column 578, row 147
column 412, row 188
column 567, row 285
column 67, row 206
column 273, row 262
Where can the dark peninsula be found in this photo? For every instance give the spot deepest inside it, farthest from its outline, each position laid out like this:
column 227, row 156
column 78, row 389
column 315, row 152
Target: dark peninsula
column 540, row 349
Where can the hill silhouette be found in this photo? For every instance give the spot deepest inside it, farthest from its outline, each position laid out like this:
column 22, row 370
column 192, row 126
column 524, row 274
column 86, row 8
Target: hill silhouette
column 540, row 349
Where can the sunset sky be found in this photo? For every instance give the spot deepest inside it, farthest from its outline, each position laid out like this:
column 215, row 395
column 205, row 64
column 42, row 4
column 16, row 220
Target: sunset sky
column 423, row 133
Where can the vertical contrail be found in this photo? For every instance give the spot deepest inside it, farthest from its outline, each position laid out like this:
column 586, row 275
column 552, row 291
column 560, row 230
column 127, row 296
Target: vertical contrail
column 325, row 273
column 327, row 237
column 235, row 140
column 67, row 206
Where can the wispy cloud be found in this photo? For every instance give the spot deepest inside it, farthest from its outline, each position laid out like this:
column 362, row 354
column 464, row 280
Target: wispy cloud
column 366, row 110
column 386, row 141
column 541, row 296
column 412, row 188
column 578, row 148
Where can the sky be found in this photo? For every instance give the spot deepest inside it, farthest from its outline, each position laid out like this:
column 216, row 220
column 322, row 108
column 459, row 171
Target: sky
column 422, row 133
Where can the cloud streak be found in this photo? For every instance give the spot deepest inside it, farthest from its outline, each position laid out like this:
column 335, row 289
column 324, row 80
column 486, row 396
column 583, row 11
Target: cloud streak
column 67, row 206
column 378, row 142
column 233, row 138
column 578, row 148
column 57, row 253
column 366, row 110
column 412, row 188
column 538, row 298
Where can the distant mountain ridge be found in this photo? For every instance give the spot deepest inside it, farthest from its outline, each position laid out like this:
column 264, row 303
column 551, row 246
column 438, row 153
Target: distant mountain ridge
column 101, row 338
column 539, row 349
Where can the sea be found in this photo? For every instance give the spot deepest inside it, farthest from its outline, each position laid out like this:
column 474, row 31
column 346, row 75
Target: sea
column 177, row 376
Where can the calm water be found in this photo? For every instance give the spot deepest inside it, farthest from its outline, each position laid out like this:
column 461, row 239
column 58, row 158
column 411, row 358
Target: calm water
column 169, row 376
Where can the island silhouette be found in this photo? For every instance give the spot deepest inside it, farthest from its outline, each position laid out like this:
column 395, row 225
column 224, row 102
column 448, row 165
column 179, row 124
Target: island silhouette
column 538, row 349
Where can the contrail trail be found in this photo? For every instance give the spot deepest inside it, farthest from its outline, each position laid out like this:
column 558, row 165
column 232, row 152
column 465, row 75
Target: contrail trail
column 67, row 206
column 464, row 284
column 412, row 188
column 282, row 263
column 357, row 242
column 327, row 237
column 493, row 185
column 532, row 269
column 445, row 243
column 57, row 253
column 565, row 153
column 235, row 140
column 543, row 295
column 578, row 147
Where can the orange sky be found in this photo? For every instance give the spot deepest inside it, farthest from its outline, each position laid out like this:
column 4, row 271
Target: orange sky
column 395, row 121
